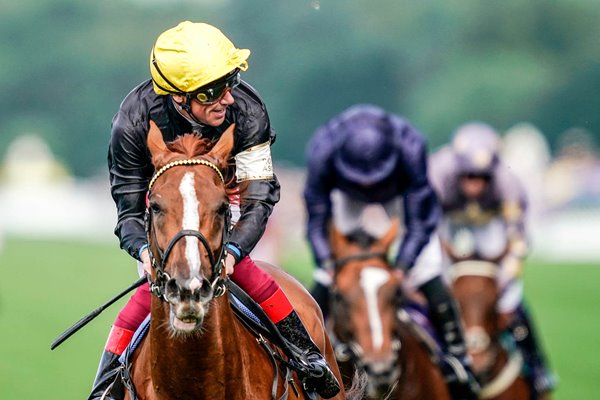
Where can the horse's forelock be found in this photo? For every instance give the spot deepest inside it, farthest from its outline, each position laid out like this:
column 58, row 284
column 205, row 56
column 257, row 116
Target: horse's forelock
column 188, row 146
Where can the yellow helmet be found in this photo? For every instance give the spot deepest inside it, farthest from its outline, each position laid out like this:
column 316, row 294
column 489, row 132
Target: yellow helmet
column 192, row 55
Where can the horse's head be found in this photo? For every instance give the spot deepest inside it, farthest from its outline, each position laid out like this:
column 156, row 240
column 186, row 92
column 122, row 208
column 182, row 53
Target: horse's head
column 475, row 288
column 187, row 224
column 365, row 300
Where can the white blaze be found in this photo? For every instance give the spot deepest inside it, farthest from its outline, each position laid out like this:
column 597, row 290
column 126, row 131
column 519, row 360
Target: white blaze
column 191, row 220
column 371, row 279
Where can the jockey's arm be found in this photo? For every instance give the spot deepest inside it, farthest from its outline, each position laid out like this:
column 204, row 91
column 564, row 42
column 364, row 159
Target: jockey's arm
column 317, row 190
column 259, row 192
column 421, row 209
column 514, row 208
column 130, row 170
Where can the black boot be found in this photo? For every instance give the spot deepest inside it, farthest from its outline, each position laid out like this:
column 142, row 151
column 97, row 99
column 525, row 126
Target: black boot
column 106, row 377
column 543, row 379
column 455, row 366
column 320, row 378
column 320, row 293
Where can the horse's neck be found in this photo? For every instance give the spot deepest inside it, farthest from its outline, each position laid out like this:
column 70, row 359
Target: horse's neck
column 211, row 354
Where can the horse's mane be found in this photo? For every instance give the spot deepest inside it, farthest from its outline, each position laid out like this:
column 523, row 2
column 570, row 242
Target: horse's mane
column 189, row 146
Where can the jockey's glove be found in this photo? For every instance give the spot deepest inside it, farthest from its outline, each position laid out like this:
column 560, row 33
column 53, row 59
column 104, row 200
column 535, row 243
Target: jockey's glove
column 511, row 268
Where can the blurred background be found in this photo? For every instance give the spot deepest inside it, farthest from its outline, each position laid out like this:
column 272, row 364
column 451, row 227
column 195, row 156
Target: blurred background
column 530, row 69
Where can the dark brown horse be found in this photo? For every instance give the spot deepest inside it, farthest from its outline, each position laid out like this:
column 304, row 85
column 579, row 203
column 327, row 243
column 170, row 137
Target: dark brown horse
column 196, row 348
column 372, row 338
column 496, row 365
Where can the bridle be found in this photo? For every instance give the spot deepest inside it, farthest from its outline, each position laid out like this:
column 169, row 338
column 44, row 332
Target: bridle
column 217, row 283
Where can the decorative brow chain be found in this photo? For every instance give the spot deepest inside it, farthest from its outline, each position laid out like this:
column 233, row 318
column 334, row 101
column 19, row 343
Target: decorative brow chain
column 184, row 162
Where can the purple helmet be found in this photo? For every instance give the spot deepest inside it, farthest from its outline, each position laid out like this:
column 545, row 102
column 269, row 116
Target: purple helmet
column 367, row 154
column 476, row 146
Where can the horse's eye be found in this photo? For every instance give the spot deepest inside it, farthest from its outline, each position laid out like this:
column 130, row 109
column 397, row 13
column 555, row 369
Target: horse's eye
column 223, row 209
column 338, row 298
column 155, row 208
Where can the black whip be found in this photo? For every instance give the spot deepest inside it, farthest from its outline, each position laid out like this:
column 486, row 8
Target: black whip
column 86, row 319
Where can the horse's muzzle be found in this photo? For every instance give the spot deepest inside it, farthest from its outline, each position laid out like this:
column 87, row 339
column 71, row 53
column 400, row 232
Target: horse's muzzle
column 188, row 303
column 382, row 375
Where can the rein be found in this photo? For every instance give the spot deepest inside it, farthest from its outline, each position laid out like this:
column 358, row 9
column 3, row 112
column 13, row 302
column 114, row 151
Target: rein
column 217, row 283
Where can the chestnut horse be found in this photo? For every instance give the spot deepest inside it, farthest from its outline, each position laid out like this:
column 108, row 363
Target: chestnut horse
column 368, row 332
column 196, row 348
column 497, row 363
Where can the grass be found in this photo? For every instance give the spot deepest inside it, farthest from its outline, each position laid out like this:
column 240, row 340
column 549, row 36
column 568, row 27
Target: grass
column 47, row 286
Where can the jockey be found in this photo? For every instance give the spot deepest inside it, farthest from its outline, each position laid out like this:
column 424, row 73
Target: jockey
column 364, row 157
column 484, row 210
column 196, row 87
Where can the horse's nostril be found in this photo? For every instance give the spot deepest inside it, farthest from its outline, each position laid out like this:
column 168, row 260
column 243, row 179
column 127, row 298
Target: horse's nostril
column 205, row 290
column 172, row 287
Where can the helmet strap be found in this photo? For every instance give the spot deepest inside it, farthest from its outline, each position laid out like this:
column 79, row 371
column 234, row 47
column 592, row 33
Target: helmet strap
column 187, row 106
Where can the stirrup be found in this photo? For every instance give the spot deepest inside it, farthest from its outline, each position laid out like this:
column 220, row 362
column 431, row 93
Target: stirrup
column 318, row 377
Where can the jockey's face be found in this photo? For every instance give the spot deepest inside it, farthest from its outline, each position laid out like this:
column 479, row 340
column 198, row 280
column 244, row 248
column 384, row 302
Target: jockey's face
column 212, row 114
column 473, row 186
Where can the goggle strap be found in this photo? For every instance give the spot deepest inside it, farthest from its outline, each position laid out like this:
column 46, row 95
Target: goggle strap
column 155, row 63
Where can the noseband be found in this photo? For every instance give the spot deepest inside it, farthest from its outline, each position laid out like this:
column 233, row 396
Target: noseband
column 157, row 287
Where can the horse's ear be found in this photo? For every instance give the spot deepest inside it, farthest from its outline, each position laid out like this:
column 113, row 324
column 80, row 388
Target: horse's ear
column 385, row 242
column 223, row 147
column 337, row 241
column 156, row 143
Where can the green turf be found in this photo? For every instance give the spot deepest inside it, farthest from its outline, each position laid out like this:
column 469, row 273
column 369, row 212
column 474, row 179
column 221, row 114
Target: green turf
column 47, row 286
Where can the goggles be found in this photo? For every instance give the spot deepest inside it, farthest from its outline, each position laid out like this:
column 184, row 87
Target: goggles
column 477, row 175
column 208, row 94
column 212, row 92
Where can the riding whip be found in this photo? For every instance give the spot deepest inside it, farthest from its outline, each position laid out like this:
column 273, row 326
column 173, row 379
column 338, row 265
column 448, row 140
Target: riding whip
column 86, row 319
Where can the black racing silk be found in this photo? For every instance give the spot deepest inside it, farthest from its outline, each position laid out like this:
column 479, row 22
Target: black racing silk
column 130, row 166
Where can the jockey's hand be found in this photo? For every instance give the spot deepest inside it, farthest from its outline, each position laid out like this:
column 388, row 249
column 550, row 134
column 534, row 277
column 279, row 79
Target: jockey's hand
column 145, row 258
column 510, row 269
column 229, row 264
column 399, row 274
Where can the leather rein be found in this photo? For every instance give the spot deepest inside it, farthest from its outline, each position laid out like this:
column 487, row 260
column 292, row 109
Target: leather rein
column 157, row 287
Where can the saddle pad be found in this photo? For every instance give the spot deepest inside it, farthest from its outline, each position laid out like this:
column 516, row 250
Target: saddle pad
column 417, row 317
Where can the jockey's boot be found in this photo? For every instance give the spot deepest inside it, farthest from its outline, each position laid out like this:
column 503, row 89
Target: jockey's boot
column 104, row 386
column 320, row 378
column 543, row 380
column 320, row 293
column 455, row 365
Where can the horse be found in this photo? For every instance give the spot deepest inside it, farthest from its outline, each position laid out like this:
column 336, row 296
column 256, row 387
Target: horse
column 497, row 364
column 372, row 333
column 196, row 347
